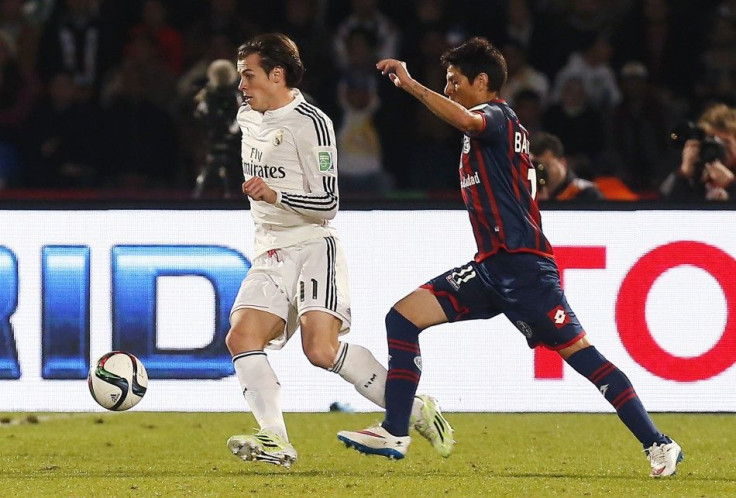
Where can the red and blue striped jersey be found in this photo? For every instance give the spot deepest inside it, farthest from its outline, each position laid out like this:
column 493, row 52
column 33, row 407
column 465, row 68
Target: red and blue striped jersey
column 498, row 185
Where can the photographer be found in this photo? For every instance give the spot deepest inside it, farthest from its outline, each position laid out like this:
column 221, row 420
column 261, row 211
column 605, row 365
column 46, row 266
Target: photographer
column 555, row 180
column 217, row 106
column 708, row 167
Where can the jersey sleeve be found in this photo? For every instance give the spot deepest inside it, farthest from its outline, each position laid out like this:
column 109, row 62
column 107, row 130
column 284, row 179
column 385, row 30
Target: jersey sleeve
column 315, row 145
column 495, row 123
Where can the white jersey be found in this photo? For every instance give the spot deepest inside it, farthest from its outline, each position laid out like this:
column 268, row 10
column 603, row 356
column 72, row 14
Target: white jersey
column 293, row 149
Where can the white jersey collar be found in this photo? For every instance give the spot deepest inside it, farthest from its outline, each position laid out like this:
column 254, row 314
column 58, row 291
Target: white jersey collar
column 298, row 99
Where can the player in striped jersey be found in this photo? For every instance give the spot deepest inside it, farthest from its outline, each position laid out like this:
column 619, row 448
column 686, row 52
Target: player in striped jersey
column 299, row 275
column 514, row 270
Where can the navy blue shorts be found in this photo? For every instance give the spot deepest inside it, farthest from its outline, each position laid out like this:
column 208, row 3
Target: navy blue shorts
column 523, row 286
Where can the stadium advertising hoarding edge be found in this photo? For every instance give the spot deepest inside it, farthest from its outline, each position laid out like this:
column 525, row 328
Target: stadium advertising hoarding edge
column 655, row 290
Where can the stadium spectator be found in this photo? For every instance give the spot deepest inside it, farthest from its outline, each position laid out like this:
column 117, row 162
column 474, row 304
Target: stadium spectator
column 519, row 24
column 357, row 138
column 219, row 46
column 232, row 18
column 579, row 126
column 414, row 154
column 661, row 34
column 167, row 40
column 361, row 168
column 361, row 47
column 63, row 138
column 428, row 20
column 591, row 65
column 644, row 35
column 38, row 11
column 529, row 109
column 192, row 135
column 23, row 31
column 557, row 182
column 299, row 274
column 429, row 143
column 478, row 17
column 18, row 92
column 140, row 138
column 365, row 14
column 315, row 42
column 211, row 22
column 75, row 41
column 707, row 178
column 718, row 82
column 143, row 58
column 638, row 148
column 217, row 107
column 513, row 272
column 87, row 38
column 522, row 76
column 563, row 28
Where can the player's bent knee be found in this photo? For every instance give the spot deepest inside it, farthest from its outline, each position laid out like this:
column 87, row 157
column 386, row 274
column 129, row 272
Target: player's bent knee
column 578, row 345
column 396, row 320
column 320, row 355
column 421, row 308
column 234, row 341
column 240, row 339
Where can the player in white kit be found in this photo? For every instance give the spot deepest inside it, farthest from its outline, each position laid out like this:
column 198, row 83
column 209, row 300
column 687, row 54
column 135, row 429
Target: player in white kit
column 299, row 275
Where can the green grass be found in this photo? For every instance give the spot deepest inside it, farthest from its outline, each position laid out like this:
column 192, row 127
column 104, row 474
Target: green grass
column 179, row 454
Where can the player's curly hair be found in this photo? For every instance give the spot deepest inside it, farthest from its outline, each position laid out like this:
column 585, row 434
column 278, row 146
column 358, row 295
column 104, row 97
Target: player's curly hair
column 478, row 55
column 276, row 50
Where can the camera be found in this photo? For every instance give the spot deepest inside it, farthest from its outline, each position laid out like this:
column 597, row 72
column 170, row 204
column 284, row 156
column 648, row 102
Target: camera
column 711, row 148
column 218, row 109
column 542, row 173
column 217, row 106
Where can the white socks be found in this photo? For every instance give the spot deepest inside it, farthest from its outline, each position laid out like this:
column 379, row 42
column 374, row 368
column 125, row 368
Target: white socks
column 358, row 366
column 262, row 390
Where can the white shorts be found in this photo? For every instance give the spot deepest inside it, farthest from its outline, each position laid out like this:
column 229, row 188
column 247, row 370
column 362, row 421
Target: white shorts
column 304, row 277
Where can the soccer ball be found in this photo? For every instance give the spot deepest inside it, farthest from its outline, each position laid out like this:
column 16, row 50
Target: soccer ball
column 117, row 381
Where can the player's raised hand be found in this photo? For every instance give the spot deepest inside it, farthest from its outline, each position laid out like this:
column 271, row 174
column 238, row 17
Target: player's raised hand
column 256, row 189
column 396, row 71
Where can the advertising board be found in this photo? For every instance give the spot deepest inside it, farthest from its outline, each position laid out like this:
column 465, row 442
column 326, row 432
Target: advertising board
column 655, row 291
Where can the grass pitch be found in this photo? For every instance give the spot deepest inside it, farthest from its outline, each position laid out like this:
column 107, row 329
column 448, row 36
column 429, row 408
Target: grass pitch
column 184, row 454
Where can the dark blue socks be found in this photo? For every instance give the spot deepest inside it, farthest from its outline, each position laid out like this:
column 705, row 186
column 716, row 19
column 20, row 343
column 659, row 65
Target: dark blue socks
column 616, row 388
column 404, row 370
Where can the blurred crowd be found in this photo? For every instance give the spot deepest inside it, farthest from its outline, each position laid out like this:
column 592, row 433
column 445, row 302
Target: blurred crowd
column 101, row 93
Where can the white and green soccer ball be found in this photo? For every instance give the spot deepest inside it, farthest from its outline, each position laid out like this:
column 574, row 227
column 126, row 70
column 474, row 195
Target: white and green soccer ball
column 117, row 381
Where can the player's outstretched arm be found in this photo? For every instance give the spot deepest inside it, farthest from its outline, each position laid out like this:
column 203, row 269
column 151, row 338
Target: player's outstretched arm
column 447, row 110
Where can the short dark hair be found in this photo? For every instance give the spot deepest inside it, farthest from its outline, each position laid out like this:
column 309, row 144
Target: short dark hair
column 541, row 142
column 476, row 56
column 276, row 50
